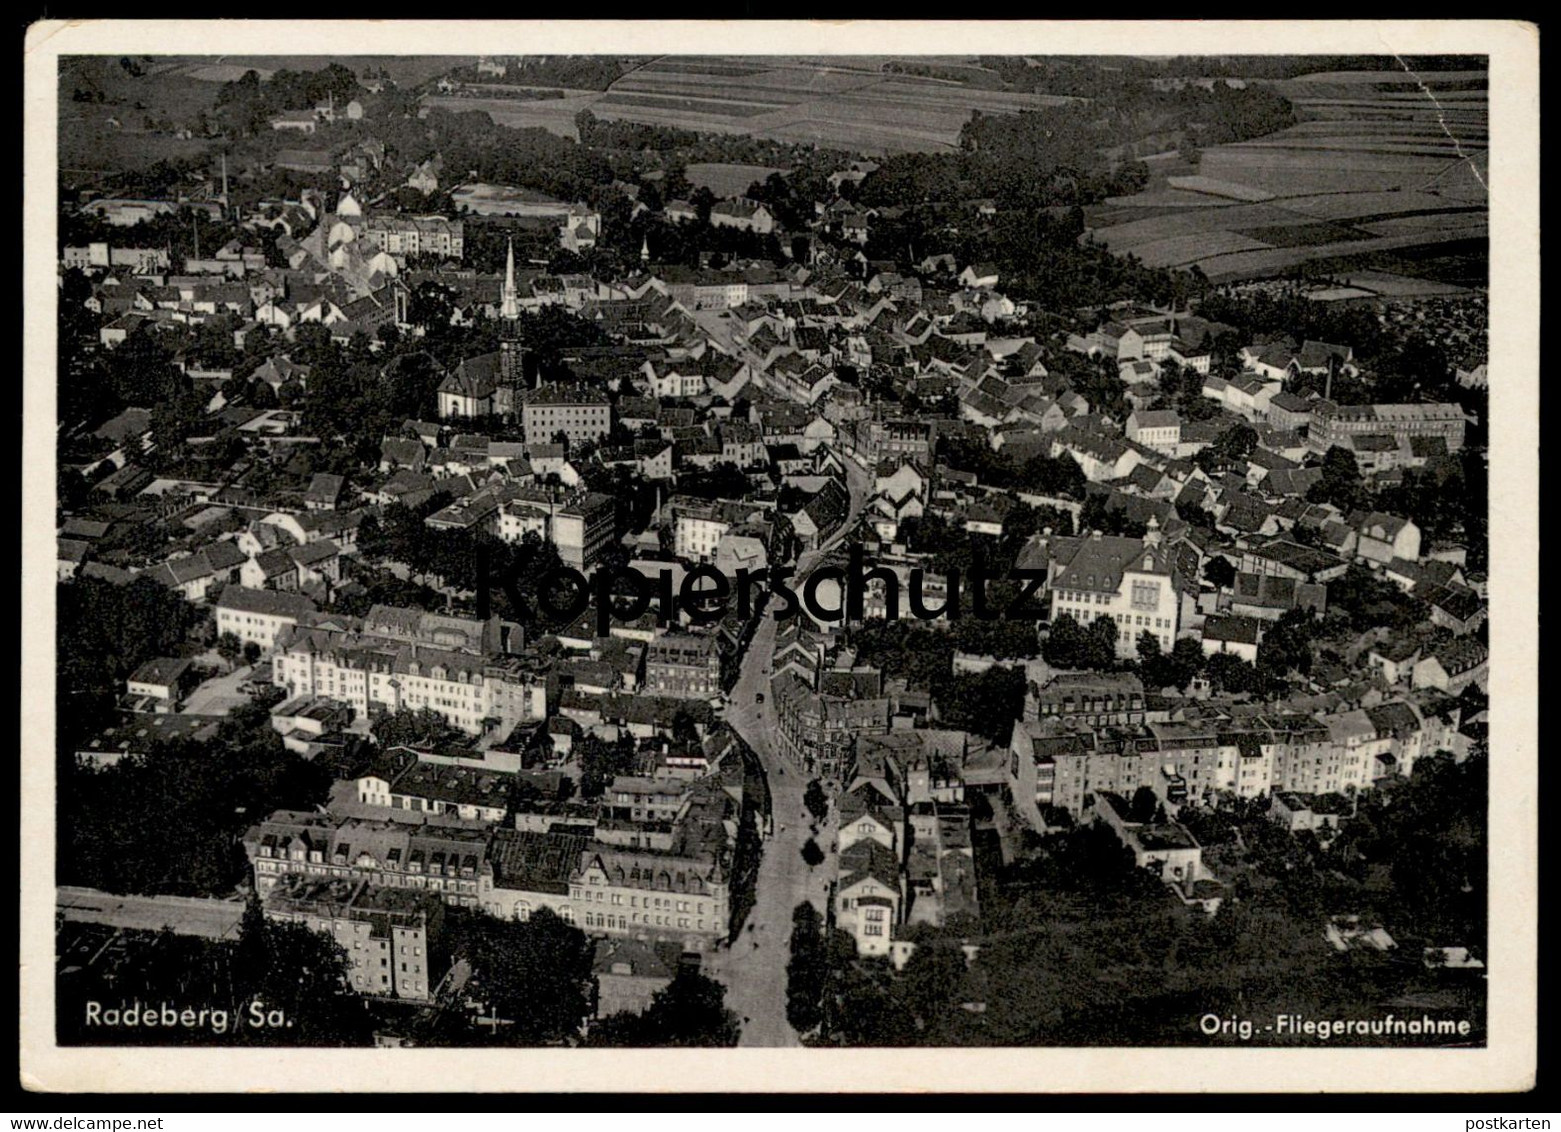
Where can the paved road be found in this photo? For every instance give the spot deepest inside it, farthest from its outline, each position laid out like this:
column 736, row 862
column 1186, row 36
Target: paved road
column 220, row 694
column 186, row 915
column 754, row 969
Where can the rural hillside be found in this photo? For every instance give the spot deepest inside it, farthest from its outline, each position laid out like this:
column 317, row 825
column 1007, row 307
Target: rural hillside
column 1370, row 178
column 1383, row 169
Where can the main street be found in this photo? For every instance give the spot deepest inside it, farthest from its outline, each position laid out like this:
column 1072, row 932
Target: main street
column 184, row 915
column 754, row 968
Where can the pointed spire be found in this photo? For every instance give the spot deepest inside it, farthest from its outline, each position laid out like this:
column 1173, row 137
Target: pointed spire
column 509, row 309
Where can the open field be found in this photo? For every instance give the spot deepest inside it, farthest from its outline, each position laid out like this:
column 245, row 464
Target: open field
column 1374, row 167
column 135, row 123
column 406, row 70
column 846, row 102
column 1400, row 286
column 1223, row 268
column 556, row 115
column 727, row 180
column 1212, row 186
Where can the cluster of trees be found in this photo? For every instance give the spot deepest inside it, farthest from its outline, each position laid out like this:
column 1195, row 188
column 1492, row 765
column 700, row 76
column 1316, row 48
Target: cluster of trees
column 1230, row 449
column 1000, row 154
column 1361, row 600
column 247, row 104
column 1182, row 389
column 600, row 761
column 1094, row 379
column 1447, row 499
column 103, row 633
column 690, row 1012
column 680, row 147
column 373, row 586
column 1105, row 512
column 1430, row 834
column 719, row 481
column 529, row 158
column 289, row 968
column 533, row 979
column 168, row 822
column 1082, row 948
column 1069, row 644
column 95, row 385
column 421, row 728
column 1411, row 854
column 1042, row 475
column 1087, row 949
column 465, row 560
column 533, row 976
column 870, row 1004
column 985, row 703
column 1289, row 312
column 1285, row 653
column 233, row 650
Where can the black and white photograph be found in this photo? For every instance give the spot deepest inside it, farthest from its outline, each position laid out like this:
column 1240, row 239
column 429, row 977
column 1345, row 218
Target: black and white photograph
column 723, row 549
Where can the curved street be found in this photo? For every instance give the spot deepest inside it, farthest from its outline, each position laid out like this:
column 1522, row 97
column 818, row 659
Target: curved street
column 754, row 967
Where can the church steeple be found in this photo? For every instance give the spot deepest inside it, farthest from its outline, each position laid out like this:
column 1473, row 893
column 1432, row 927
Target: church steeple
column 509, row 309
column 512, row 367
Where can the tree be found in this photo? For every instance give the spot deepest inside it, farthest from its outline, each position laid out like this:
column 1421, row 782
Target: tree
column 251, row 652
column 931, row 977
column 1218, row 572
column 1142, row 806
column 1227, row 672
column 1158, row 669
column 815, row 801
column 600, row 761
column 1065, row 645
column 1342, row 484
column 1287, row 646
column 1366, row 601
column 986, row 703
column 812, row 854
column 1101, row 648
column 304, row 974
column 689, row 1012
column 1232, row 446
column 1187, row 659
column 230, row 648
column 423, row 727
column 807, row 970
column 536, row 972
